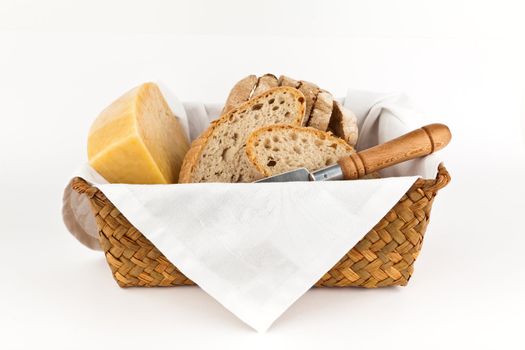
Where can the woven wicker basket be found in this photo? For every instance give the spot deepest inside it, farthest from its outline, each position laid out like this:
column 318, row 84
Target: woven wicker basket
column 384, row 257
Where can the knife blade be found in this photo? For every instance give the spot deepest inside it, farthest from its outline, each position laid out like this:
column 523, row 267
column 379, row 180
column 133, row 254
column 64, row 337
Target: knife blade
column 332, row 172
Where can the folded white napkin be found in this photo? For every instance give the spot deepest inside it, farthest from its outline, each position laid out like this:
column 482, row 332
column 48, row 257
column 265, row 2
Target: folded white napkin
column 256, row 248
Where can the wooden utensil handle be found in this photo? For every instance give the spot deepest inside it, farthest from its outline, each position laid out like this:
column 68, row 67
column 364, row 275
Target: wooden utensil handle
column 417, row 143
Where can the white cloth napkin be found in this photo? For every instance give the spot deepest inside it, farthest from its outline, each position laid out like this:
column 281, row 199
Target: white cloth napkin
column 256, row 248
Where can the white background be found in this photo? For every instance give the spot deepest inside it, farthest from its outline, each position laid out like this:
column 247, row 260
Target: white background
column 461, row 62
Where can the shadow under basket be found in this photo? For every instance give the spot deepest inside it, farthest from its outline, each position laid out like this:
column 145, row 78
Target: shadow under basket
column 384, row 257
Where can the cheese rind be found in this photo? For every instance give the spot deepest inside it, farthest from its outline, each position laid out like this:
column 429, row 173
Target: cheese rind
column 137, row 139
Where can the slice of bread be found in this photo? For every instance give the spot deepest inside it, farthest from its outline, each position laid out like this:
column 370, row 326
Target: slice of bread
column 321, row 111
column 240, row 93
column 343, row 123
column 265, row 83
column 219, row 155
column 276, row 149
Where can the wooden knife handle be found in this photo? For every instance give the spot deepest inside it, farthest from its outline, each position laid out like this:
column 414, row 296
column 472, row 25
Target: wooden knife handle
column 417, row 143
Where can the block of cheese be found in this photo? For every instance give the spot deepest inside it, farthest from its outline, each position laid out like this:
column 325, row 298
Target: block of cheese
column 138, row 139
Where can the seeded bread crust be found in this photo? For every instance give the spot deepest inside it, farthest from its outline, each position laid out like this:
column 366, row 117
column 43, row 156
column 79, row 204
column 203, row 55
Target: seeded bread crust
column 343, row 123
column 262, row 148
column 240, row 93
column 194, row 157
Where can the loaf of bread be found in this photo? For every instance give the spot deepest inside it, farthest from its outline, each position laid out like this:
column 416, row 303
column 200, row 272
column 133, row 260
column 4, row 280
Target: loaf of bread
column 138, row 139
column 276, row 149
column 219, row 155
column 321, row 110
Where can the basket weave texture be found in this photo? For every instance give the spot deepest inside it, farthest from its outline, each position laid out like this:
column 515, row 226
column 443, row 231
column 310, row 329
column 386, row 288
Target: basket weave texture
column 384, row 257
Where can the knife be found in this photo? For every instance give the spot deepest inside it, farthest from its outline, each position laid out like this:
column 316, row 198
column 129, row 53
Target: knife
column 415, row 144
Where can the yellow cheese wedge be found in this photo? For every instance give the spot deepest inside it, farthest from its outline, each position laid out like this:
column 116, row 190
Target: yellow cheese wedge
column 137, row 139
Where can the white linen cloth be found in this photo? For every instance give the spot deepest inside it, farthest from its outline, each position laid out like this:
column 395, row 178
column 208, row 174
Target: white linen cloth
column 256, row 248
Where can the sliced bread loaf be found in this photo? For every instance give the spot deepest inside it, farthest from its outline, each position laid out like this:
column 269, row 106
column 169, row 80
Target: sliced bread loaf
column 343, row 123
column 219, row 155
column 276, row 149
column 318, row 102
